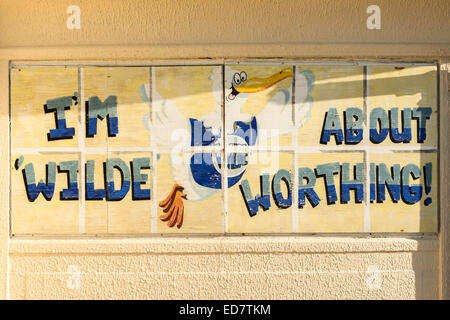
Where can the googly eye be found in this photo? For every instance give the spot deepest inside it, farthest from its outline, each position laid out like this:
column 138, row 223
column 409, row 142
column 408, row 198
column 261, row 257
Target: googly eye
column 243, row 76
column 237, row 79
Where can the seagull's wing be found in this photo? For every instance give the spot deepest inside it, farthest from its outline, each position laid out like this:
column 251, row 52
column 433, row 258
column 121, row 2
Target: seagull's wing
column 169, row 128
column 213, row 119
column 277, row 118
column 304, row 84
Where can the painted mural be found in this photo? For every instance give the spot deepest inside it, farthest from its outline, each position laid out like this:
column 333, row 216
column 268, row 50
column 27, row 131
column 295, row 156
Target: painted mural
column 216, row 149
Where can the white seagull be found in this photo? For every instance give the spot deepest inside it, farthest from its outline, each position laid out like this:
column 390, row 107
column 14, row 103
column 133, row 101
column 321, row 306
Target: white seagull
column 199, row 177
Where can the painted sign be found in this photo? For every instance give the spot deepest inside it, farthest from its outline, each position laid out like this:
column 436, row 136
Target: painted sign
column 234, row 148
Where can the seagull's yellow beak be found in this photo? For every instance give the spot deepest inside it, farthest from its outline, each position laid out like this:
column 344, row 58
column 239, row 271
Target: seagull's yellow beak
column 259, row 84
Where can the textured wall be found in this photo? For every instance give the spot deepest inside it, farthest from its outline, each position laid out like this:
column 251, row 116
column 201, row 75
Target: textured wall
column 226, row 268
column 138, row 22
column 249, row 267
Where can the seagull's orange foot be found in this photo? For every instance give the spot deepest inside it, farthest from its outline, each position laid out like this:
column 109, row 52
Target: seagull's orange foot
column 173, row 206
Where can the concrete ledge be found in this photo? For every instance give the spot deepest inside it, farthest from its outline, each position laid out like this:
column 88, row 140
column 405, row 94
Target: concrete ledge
column 272, row 244
column 217, row 51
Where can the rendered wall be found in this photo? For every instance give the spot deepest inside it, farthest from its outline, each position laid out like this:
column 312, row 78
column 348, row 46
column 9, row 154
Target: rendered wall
column 218, row 267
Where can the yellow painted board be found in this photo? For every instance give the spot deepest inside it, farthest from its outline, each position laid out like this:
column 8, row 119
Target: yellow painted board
column 96, row 211
column 30, row 90
column 203, row 207
column 388, row 216
column 272, row 220
column 42, row 216
column 331, row 217
column 183, row 102
column 129, row 85
column 129, row 215
column 319, row 88
column 125, row 216
column 405, row 87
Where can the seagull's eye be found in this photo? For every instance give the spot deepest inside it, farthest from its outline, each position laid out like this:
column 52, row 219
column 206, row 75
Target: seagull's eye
column 243, row 76
column 237, row 79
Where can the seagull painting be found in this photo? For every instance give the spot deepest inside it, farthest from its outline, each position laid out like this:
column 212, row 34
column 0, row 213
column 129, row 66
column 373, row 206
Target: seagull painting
column 199, row 177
